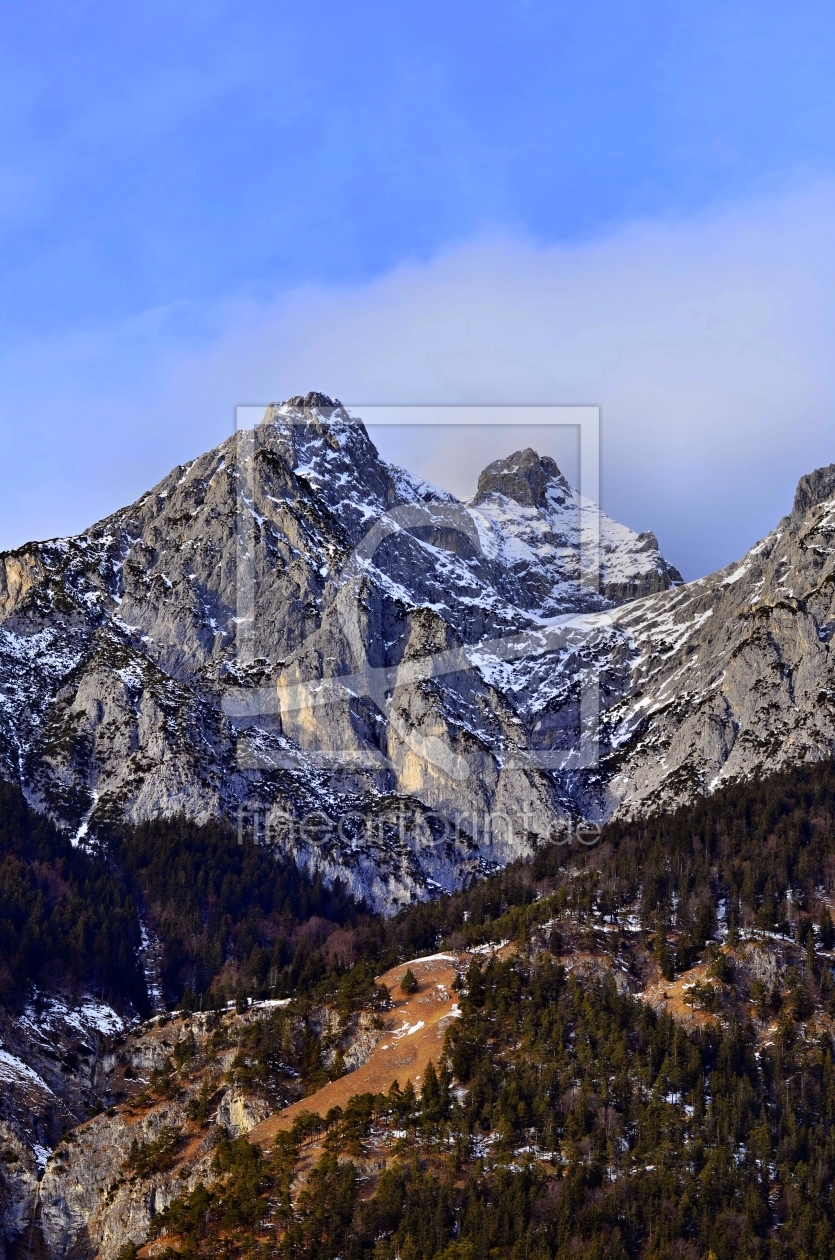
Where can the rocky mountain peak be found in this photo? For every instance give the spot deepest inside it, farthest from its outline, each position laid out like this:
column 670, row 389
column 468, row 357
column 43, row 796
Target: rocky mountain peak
column 312, row 401
column 523, row 476
column 291, row 620
column 813, row 488
column 648, row 542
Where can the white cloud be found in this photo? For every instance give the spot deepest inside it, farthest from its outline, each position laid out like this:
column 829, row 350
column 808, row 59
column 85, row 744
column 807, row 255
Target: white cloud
column 708, row 345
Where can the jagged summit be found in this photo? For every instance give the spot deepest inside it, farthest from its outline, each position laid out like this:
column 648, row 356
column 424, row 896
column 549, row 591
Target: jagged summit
column 524, row 476
column 312, row 401
column 812, row 489
column 534, row 518
column 185, row 654
column 290, row 619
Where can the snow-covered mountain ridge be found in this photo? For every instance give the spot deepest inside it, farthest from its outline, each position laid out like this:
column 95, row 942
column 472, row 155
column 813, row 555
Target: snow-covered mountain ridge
column 289, row 629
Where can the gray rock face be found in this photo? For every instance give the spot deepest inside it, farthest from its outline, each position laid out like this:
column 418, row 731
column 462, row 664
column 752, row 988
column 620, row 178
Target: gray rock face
column 57, row 1060
column 89, row 1202
column 524, row 477
column 727, row 677
column 290, row 624
column 813, row 489
column 397, row 688
column 731, row 675
column 96, row 1193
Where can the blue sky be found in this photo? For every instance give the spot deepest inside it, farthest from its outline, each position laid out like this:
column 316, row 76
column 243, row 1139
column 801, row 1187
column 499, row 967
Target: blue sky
column 191, row 194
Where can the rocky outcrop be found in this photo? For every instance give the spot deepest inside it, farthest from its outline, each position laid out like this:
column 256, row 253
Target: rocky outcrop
column 524, row 477
column 812, row 490
column 727, row 677
column 531, row 522
column 732, row 675
column 59, row 1059
column 106, row 1179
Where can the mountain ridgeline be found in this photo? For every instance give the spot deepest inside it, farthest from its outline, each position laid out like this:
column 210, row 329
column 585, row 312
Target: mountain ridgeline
column 290, row 628
column 292, row 622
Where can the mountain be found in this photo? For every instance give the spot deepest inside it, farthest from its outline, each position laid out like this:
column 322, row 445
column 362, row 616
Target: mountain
column 288, row 620
column 730, row 676
column 397, row 689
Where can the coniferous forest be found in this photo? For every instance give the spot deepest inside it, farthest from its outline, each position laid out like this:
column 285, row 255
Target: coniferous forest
column 565, row 1119
column 566, row 1115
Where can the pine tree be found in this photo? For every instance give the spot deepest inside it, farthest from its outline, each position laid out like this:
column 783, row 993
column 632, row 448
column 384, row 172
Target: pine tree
column 662, row 952
column 409, row 982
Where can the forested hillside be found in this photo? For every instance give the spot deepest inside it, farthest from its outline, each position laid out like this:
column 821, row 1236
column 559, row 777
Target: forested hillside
column 640, row 1063
column 70, row 916
column 67, row 919
column 234, row 920
column 569, row 1115
column 565, row 1119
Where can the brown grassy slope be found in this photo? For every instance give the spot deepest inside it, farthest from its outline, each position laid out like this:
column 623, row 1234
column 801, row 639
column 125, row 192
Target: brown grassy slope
column 415, row 1034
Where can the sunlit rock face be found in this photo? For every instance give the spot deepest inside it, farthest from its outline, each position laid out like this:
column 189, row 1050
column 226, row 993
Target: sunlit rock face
column 289, row 627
